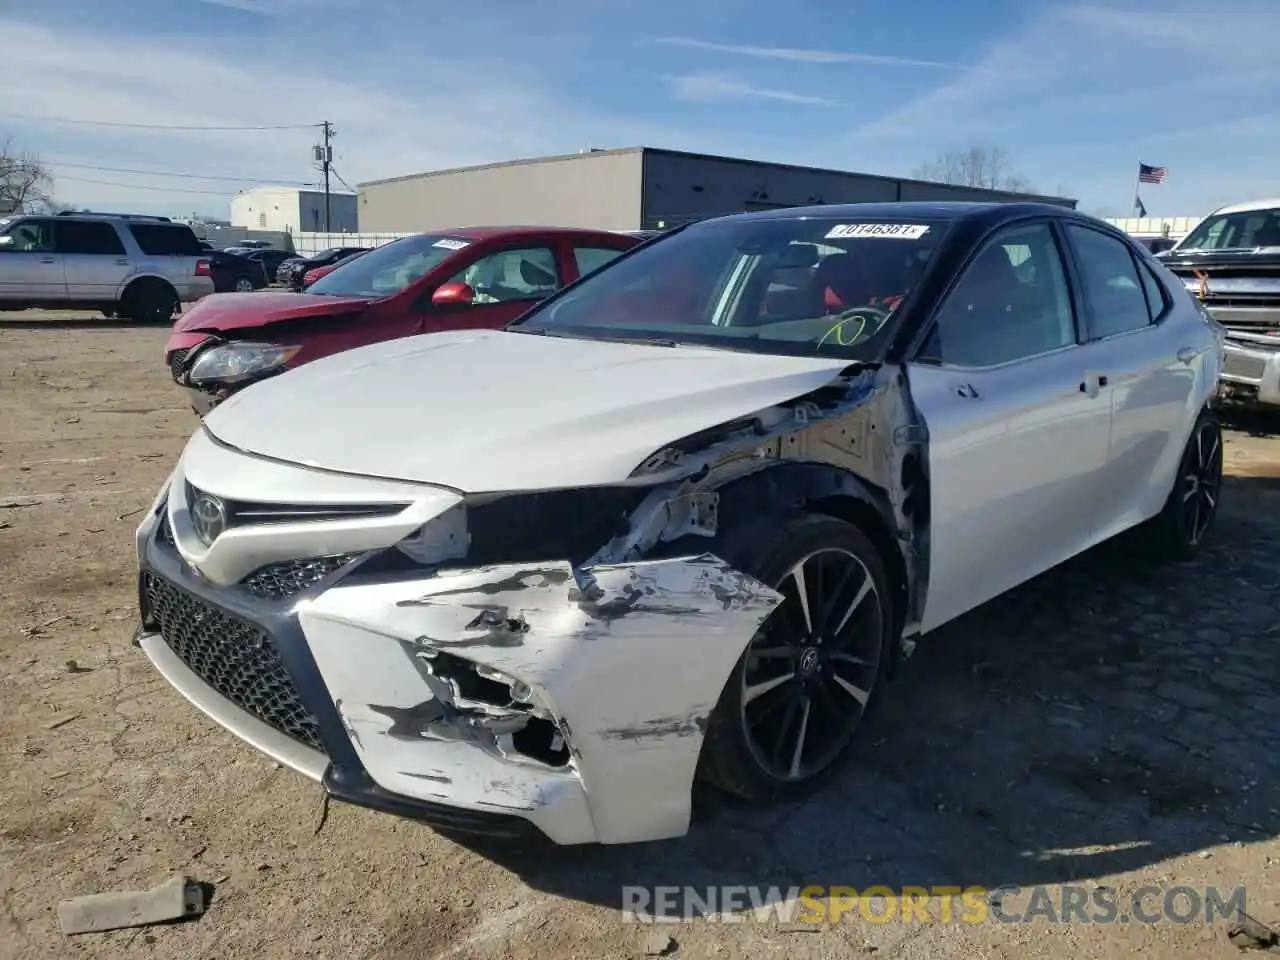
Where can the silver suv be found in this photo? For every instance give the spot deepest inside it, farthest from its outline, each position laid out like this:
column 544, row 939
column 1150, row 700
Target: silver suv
column 140, row 268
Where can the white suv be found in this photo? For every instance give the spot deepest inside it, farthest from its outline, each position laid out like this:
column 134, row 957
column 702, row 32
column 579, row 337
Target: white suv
column 141, row 268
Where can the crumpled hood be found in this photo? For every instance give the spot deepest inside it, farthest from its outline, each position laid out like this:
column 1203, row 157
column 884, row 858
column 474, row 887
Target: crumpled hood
column 233, row 311
column 491, row 410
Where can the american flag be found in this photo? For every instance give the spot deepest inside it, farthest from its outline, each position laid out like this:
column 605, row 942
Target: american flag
column 1150, row 174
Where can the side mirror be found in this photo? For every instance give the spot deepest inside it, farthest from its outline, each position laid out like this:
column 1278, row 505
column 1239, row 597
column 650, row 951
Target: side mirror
column 453, row 295
column 6, row 243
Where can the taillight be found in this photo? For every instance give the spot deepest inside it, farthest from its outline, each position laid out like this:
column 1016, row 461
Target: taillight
column 202, row 268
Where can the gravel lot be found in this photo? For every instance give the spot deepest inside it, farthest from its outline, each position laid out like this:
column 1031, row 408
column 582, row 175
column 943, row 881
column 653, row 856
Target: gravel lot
column 1108, row 724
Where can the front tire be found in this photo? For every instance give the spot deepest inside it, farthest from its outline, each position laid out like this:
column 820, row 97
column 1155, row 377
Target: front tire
column 799, row 692
column 1177, row 532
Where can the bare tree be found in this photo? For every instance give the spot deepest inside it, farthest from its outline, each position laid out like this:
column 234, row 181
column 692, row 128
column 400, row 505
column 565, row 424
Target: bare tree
column 25, row 183
column 980, row 165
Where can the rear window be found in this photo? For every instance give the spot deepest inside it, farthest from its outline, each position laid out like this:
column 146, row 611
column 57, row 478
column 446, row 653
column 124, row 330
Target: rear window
column 166, row 240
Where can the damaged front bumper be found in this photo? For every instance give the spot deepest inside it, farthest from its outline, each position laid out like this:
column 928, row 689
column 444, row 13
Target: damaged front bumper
column 501, row 699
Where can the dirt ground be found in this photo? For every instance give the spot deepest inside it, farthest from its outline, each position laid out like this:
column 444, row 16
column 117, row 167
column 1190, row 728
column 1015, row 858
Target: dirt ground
column 1108, row 726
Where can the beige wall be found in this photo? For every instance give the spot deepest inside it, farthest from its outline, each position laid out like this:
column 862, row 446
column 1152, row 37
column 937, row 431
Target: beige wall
column 600, row 190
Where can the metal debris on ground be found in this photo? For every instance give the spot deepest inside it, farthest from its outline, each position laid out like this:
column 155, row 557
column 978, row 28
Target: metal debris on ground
column 177, row 898
column 660, row 944
column 1248, row 933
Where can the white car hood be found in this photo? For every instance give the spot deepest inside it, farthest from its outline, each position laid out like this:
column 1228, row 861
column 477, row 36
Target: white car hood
column 489, row 411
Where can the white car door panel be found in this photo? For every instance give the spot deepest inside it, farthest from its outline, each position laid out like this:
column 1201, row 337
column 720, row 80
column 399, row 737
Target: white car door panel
column 1154, row 390
column 1017, row 456
column 1018, row 414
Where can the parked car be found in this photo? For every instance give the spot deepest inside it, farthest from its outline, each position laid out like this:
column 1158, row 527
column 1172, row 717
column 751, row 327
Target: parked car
column 1157, row 244
column 456, row 279
column 676, row 522
column 292, row 270
column 137, row 267
column 311, row 276
column 1231, row 262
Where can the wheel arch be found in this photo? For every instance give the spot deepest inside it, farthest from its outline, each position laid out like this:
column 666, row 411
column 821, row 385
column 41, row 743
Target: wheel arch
column 140, row 281
column 821, row 488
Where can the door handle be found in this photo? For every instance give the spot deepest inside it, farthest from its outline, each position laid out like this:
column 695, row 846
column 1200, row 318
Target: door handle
column 1187, row 354
column 122, row 262
column 967, row 391
column 48, row 260
column 1092, row 383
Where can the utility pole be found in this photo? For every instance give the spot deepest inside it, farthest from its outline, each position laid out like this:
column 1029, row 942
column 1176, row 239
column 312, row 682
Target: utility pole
column 326, row 163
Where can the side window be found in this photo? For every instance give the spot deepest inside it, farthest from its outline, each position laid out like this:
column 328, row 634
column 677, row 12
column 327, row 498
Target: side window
column 526, row 273
column 1112, row 287
column 1011, row 303
column 87, row 236
column 589, row 259
column 1157, row 302
column 165, row 240
column 33, row 236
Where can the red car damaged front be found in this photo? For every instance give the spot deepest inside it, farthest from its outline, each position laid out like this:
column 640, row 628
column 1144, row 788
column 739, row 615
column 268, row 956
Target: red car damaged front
column 475, row 278
column 260, row 335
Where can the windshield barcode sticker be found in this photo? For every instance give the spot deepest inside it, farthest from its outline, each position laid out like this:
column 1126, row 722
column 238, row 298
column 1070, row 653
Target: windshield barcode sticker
column 452, row 244
column 888, row 231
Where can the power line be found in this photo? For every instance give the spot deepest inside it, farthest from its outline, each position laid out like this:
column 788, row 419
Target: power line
column 181, row 176
column 134, row 186
column 154, row 126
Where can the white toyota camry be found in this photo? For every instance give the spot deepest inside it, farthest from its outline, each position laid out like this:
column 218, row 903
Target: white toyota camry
column 678, row 520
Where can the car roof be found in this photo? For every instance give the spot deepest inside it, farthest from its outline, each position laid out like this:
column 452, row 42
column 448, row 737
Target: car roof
column 921, row 209
column 490, row 233
column 1250, row 206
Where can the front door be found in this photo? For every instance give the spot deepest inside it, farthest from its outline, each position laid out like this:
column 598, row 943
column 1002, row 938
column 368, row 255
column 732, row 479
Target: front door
column 31, row 269
column 93, row 258
column 505, row 282
column 1019, row 424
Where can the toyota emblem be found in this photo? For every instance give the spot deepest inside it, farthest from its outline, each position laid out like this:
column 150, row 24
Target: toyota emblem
column 208, row 517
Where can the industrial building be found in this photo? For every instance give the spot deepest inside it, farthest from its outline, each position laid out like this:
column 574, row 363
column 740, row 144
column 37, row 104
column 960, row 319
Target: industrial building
column 638, row 188
column 293, row 210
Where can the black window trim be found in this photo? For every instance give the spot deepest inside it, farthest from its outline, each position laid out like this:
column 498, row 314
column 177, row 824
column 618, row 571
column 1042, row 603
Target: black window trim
column 1074, row 296
column 1088, row 309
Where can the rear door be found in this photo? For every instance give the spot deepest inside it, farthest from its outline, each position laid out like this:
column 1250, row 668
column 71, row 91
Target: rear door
column 31, row 269
column 94, row 258
column 1019, row 423
column 507, row 281
column 1151, row 370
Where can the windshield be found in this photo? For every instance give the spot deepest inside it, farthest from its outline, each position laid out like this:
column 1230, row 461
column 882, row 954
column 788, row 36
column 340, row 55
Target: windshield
column 388, row 269
column 1245, row 230
column 812, row 285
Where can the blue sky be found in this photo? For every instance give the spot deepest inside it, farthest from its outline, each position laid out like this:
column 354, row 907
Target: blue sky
column 1076, row 93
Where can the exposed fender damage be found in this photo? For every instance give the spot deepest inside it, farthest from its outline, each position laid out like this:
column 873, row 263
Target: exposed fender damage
column 441, row 707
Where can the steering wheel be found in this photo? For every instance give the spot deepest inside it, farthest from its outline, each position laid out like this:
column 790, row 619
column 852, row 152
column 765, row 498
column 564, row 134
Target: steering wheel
column 848, row 325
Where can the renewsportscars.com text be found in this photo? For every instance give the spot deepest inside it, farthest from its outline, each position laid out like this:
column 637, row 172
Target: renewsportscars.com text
column 936, row 904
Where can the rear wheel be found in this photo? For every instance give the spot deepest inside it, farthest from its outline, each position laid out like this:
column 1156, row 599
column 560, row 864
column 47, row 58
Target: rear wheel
column 150, row 301
column 244, row 285
column 801, row 689
column 1177, row 532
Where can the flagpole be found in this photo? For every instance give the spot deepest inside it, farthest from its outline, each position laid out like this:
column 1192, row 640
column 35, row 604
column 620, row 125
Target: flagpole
column 1137, row 186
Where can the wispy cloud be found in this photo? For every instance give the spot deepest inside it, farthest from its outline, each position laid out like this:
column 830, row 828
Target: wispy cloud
column 803, row 56
column 707, row 88
column 383, row 130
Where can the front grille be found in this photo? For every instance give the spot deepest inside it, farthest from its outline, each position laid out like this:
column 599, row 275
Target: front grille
column 236, row 658
column 280, row 580
column 1241, row 365
column 177, row 362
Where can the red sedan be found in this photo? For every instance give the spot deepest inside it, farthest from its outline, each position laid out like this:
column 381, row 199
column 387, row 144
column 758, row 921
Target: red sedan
column 478, row 277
